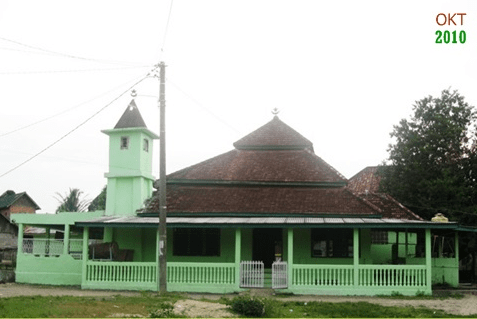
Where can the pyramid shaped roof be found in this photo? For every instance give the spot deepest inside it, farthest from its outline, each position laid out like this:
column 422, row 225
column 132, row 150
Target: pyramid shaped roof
column 131, row 117
column 273, row 153
column 274, row 135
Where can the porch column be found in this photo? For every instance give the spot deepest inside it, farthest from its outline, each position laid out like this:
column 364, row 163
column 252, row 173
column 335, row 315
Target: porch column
column 158, row 240
column 20, row 239
column 356, row 257
column 108, row 235
column 85, row 254
column 428, row 260
column 290, row 257
column 238, row 255
column 457, row 253
column 66, row 240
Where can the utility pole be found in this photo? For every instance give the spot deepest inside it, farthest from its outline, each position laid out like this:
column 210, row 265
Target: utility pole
column 162, row 249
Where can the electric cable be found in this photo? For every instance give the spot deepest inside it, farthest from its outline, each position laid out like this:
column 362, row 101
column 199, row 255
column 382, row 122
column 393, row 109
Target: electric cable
column 77, row 127
column 63, row 112
column 65, row 54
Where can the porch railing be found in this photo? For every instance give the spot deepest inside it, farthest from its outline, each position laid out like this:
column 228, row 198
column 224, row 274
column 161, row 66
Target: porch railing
column 52, row 247
column 137, row 272
column 200, row 273
column 392, row 275
column 252, row 274
column 322, row 275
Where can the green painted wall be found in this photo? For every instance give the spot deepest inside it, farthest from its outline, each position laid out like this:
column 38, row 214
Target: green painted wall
column 61, row 270
column 130, row 171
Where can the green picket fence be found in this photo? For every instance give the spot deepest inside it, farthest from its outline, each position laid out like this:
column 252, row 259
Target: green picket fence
column 368, row 275
column 322, row 275
column 392, row 276
column 138, row 272
column 201, row 273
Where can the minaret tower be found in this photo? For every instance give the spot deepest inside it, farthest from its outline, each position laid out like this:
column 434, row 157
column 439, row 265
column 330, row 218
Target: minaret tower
column 130, row 163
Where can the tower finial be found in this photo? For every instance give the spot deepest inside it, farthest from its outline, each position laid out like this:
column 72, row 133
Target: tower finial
column 275, row 111
column 133, row 93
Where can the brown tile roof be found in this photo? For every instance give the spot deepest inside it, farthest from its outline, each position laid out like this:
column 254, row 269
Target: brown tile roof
column 274, row 134
column 390, row 207
column 275, row 171
column 270, row 165
column 365, row 180
column 365, row 184
column 216, row 200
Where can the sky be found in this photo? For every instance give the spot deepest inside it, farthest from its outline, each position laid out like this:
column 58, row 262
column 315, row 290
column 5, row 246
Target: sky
column 341, row 73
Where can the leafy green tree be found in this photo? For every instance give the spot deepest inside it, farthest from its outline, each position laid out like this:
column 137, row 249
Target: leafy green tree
column 432, row 165
column 99, row 203
column 72, row 201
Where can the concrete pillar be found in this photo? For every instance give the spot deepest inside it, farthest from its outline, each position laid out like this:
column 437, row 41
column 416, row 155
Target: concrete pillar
column 428, row 261
column 85, row 254
column 238, row 255
column 20, row 239
column 66, row 240
column 108, row 235
column 290, row 257
column 356, row 257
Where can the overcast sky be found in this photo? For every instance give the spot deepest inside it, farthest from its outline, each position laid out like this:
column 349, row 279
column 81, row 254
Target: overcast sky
column 342, row 73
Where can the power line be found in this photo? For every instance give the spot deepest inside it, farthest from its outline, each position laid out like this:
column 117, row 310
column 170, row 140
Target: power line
column 74, row 129
column 166, row 29
column 63, row 112
column 72, row 71
column 66, row 55
column 203, row 107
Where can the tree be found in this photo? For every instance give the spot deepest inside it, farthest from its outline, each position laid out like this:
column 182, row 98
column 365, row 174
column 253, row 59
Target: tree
column 99, row 203
column 432, row 166
column 72, row 201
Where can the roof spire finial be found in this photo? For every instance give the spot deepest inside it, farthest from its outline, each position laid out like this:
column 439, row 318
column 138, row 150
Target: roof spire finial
column 275, row 111
column 133, row 93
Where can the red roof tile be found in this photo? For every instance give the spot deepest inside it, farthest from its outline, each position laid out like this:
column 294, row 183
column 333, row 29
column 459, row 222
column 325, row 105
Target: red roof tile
column 271, row 165
column 365, row 181
column 391, row 208
column 213, row 200
column 274, row 134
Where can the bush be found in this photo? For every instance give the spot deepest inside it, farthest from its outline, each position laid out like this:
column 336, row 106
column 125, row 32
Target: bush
column 164, row 310
column 248, row 306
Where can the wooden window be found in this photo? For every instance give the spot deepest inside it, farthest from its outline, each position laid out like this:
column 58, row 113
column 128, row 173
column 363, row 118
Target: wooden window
column 124, row 142
column 336, row 243
column 196, row 242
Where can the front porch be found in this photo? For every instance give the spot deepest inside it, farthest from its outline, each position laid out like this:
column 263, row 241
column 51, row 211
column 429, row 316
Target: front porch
column 208, row 257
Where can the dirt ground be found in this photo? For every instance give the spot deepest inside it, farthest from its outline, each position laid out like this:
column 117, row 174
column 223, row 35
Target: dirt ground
column 194, row 306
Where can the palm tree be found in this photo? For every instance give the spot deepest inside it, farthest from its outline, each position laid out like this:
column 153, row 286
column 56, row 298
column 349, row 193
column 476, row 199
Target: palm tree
column 72, row 201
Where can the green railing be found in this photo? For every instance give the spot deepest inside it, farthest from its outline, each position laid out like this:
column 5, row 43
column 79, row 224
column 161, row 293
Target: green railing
column 392, row 275
column 368, row 275
column 322, row 275
column 137, row 272
column 201, row 273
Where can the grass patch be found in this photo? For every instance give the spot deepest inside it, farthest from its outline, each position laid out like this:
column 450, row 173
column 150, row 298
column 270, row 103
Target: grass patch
column 160, row 306
column 84, row 307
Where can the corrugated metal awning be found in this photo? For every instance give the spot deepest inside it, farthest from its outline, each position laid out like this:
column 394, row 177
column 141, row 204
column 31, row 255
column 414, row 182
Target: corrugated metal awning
column 248, row 222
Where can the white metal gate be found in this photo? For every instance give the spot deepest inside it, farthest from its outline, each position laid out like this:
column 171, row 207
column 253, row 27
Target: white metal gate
column 279, row 275
column 252, row 274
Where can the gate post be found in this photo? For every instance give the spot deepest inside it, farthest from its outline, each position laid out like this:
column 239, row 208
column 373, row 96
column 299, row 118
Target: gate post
column 238, row 250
